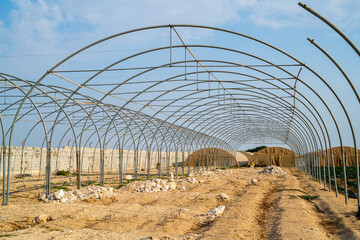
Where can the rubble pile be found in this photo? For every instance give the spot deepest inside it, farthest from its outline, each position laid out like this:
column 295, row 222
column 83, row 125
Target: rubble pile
column 89, row 193
column 157, row 185
column 272, row 170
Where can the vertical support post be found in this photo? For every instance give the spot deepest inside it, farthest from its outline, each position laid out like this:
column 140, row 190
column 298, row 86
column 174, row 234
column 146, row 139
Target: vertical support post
column 78, row 171
column 121, row 165
column 148, row 164
column 4, row 172
column 183, row 162
column 48, row 171
column 334, row 173
column 167, row 164
column 344, row 173
column 189, row 162
column 159, row 163
column 136, row 165
column 193, row 156
column 185, row 64
column 176, row 163
column 102, row 175
column 170, row 46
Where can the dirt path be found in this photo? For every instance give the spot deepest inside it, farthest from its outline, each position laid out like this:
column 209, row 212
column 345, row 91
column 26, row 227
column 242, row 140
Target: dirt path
column 267, row 209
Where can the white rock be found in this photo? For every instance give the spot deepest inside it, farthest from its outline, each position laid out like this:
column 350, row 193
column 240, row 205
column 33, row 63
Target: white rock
column 59, row 194
column 182, row 188
column 172, row 185
column 128, row 177
column 217, row 211
column 223, row 197
column 171, row 175
column 63, row 200
column 43, row 218
column 254, row 180
column 93, row 195
column 272, row 170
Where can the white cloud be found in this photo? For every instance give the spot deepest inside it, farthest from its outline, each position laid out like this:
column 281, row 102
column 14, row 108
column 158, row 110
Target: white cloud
column 54, row 26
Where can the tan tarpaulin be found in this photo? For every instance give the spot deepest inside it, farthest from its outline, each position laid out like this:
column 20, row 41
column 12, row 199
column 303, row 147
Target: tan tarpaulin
column 349, row 155
column 209, row 155
column 272, row 156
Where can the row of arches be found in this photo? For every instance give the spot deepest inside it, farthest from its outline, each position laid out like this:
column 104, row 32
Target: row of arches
column 171, row 96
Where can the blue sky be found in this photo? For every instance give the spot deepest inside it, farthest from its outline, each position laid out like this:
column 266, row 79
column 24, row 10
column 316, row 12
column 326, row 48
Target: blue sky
column 36, row 34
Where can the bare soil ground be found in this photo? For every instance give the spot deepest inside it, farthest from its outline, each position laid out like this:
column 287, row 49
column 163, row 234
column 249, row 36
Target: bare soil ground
column 268, row 209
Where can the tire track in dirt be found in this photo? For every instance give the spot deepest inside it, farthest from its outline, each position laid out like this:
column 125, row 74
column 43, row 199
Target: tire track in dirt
column 268, row 212
column 249, row 214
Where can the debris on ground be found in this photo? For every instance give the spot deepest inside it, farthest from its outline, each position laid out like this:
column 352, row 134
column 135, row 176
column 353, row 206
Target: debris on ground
column 88, row 193
column 157, row 185
column 272, row 170
column 43, row 218
column 223, row 197
column 217, row 211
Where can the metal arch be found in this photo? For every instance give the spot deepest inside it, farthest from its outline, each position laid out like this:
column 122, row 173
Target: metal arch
column 194, row 137
column 147, row 51
column 10, row 138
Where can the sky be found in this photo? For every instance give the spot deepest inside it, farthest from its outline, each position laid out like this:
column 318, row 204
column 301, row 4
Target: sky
column 36, row 34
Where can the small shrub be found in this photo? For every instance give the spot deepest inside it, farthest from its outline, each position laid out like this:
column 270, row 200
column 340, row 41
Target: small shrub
column 62, row 173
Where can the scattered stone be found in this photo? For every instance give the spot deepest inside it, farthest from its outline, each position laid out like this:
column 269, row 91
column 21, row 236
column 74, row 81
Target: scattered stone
column 191, row 180
column 201, row 181
column 42, row 197
column 59, row 194
column 182, row 188
column 172, row 185
column 223, row 197
column 254, row 180
column 217, row 211
column 156, row 185
column 128, row 177
column 183, row 210
column 91, row 192
column 272, row 170
column 43, row 218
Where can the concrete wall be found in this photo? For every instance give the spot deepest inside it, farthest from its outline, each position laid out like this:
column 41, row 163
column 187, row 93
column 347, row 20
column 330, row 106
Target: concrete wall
column 34, row 159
